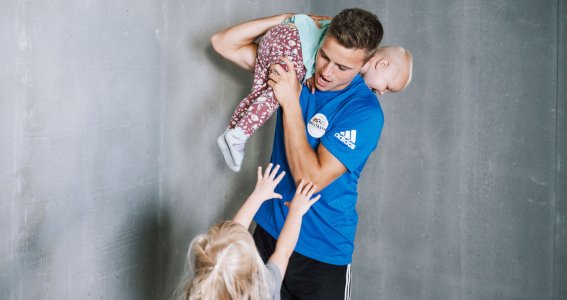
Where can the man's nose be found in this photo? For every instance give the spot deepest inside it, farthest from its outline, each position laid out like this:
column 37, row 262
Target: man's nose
column 327, row 70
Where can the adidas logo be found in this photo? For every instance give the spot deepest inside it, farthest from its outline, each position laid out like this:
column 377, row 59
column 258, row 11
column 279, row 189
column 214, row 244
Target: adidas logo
column 347, row 137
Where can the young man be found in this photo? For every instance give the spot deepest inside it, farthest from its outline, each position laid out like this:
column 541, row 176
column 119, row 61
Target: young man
column 325, row 137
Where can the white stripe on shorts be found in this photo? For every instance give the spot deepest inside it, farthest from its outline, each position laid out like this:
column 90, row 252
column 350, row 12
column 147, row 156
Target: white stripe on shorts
column 347, row 284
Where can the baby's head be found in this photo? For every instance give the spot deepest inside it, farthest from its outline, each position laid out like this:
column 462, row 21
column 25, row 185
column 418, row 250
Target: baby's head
column 226, row 265
column 389, row 70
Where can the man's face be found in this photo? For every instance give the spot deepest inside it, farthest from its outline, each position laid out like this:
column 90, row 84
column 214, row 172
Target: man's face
column 336, row 65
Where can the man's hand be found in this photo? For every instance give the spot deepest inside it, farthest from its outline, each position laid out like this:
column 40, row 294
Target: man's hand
column 284, row 83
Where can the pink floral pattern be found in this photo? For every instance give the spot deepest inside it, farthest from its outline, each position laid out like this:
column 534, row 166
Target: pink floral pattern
column 260, row 104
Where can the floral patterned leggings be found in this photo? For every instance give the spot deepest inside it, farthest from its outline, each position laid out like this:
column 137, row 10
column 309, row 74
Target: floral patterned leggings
column 260, row 104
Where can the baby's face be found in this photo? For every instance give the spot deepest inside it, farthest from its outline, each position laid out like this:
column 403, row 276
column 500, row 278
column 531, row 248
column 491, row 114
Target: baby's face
column 382, row 81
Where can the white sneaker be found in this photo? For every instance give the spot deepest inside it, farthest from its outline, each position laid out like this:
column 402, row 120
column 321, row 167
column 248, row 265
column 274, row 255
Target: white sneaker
column 236, row 140
column 223, row 146
column 231, row 144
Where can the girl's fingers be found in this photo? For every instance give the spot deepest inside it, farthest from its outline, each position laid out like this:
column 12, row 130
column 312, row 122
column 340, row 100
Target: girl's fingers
column 274, row 172
column 307, row 188
column 259, row 173
column 311, row 191
column 268, row 169
column 315, row 199
column 279, row 178
column 299, row 186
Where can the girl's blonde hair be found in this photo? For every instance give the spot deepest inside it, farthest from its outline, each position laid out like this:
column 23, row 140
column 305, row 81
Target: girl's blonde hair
column 226, row 265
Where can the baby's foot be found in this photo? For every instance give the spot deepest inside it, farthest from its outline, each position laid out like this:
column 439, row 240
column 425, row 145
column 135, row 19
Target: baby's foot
column 231, row 144
column 223, row 146
column 236, row 140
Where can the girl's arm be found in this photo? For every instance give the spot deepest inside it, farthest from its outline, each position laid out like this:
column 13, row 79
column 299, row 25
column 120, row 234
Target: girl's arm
column 290, row 232
column 263, row 191
column 236, row 43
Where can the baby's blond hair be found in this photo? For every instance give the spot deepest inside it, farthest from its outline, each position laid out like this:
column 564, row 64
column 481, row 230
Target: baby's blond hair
column 226, row 265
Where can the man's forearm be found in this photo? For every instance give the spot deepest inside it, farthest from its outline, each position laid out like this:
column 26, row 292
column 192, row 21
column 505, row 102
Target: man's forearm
column 318, row 166
column 303, row 161
column 236, row 43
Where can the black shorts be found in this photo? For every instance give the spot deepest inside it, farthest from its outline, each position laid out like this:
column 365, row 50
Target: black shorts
column 306, row 278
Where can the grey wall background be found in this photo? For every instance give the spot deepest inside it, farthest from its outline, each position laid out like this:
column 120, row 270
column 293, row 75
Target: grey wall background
column 80, row 142
column 560, row 266
column 109, row 114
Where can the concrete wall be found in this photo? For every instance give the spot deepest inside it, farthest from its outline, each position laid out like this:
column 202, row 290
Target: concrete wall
column 80, row 145
column 109, row 114
column 560, row 266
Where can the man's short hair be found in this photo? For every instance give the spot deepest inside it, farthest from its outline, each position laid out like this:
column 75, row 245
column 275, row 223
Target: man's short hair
column 359, row 29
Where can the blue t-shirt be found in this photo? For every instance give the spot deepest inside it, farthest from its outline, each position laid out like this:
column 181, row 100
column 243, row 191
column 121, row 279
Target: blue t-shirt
column 348, row 123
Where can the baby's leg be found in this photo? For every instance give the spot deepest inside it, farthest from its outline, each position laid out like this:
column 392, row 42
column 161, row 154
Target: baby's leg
column 256, row 108
column 260, row 80
column 280, row 40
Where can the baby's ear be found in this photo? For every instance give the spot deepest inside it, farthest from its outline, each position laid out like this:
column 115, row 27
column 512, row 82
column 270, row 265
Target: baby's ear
column 382, row 64
column 371, row 63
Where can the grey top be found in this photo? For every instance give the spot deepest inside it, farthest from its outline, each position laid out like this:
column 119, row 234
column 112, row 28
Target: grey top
column 274, row 280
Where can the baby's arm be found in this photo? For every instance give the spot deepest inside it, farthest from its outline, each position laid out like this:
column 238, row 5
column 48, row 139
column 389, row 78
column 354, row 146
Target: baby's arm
column 236, row 43
column 290, row 232
column 263, row 191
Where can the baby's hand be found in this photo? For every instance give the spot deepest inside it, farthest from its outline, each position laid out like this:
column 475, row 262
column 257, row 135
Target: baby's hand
column 302, row 200
column 267, row 182
column 310, row 83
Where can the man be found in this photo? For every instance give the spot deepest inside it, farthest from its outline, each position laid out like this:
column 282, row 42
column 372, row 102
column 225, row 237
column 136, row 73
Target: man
column 325, row 137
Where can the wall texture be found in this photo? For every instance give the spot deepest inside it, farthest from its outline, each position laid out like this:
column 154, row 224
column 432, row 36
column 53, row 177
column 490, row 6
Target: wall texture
column 560, row 265
column 109, row 114
column 80, row 144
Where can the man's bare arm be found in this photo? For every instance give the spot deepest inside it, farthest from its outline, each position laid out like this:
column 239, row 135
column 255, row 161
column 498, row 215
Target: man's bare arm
column 320, row 167
column 236, row 43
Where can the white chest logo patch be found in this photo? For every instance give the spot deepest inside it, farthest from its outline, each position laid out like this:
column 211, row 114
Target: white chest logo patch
column 317, row 125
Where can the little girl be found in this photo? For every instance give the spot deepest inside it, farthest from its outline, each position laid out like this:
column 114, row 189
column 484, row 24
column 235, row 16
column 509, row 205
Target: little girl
column 225, row 262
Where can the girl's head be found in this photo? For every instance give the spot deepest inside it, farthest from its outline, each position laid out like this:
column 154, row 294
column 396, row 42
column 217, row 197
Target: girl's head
column 226, row 265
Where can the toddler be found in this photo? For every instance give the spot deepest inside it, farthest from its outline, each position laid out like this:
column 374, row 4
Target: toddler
column 225, row 262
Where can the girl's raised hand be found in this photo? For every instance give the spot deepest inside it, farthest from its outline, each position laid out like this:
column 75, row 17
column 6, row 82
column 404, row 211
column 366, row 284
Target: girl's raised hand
column 267, row 182
column 302, row 200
